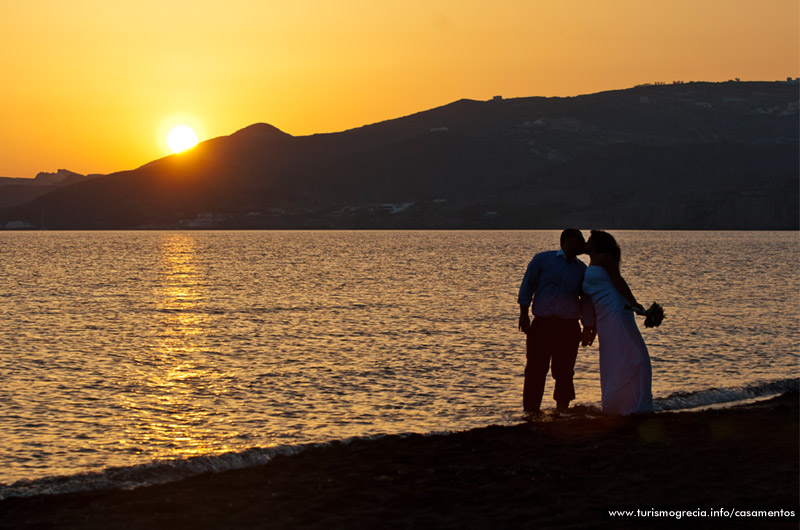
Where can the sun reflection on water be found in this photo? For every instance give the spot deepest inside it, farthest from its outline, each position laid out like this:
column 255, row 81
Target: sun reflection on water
column 200, row 343
column 172, row 373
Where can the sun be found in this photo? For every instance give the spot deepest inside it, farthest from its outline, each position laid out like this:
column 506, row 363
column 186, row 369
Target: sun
column 181, row 138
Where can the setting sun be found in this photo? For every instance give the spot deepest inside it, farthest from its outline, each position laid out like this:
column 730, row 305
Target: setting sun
column 181, row 138
column 218, row 66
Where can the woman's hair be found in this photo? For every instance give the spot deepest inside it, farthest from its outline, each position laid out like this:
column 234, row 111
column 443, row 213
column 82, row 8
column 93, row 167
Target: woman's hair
column 605, row 242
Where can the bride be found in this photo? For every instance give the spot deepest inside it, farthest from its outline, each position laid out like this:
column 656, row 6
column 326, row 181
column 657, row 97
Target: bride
column 625, row 373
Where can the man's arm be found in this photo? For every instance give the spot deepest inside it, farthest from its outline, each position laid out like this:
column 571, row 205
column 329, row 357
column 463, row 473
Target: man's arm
column 524, row 318
column 526, row 292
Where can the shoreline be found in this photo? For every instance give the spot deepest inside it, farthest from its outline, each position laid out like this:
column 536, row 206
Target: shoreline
column 145, row 474
column 544, row 474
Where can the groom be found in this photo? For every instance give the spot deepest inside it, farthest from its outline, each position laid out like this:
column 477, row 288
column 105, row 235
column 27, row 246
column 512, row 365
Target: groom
column 553, row 281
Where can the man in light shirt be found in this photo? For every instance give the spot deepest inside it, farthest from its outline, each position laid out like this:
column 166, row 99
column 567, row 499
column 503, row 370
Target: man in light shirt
column 552, row 290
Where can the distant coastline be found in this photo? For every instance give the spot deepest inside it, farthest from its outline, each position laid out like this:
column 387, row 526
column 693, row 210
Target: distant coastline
column 684, row 156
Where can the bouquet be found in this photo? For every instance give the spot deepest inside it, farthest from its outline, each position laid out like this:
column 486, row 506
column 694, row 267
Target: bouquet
column 654, row 315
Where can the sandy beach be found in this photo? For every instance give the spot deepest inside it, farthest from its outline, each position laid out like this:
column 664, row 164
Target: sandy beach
column 552, row 473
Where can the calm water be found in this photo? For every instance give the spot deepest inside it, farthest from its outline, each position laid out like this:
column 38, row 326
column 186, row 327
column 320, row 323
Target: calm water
column 119, row 349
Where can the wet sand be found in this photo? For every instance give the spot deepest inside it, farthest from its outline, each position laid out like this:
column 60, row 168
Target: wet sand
column 559, row 473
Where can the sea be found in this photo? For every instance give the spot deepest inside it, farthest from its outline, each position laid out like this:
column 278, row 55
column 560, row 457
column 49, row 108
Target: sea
column 140, row 357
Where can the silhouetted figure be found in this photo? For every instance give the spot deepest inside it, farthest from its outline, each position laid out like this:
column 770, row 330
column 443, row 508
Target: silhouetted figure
column 553, row 282
column 625, row 371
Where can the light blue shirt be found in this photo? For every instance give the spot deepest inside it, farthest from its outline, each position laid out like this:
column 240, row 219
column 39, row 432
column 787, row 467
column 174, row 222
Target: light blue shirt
column 557, row 286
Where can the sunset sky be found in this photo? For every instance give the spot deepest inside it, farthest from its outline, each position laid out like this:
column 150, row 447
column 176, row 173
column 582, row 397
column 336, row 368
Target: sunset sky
column 94, row 86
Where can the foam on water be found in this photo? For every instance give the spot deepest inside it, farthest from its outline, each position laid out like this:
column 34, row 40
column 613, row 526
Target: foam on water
column 172, row 470
column 173, row 354
column 718, row 396
column 160, row 472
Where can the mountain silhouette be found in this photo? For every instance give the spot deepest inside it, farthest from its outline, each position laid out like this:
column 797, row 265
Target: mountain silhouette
column 680, row 156
column 15, row 191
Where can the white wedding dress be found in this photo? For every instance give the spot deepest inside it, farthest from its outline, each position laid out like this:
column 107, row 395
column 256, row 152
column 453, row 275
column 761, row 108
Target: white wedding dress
column 625, row 372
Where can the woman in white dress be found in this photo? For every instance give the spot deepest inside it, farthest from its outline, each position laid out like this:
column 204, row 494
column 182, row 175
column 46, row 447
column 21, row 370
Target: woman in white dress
column 625, row 372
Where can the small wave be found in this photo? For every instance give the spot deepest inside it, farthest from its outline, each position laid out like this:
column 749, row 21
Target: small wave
column 160, row 472
column 717, row 396
column 678, row 401
column 145, row 474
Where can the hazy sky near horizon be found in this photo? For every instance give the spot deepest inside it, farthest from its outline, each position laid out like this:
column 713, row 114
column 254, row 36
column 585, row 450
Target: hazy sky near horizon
column 94, row 86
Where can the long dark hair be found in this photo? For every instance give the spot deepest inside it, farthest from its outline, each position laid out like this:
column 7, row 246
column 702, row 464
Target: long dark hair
column 605, row 242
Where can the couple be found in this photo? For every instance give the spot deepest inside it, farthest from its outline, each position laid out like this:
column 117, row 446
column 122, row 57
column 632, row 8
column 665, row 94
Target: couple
column 564, row 290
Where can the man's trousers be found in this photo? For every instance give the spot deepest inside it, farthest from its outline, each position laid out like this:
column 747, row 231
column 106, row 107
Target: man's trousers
column 555, row 341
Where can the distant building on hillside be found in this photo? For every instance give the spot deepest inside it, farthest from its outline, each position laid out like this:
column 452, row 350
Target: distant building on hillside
column 18, row 225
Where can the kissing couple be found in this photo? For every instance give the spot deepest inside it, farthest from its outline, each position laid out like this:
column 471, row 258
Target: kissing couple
column 561, row 290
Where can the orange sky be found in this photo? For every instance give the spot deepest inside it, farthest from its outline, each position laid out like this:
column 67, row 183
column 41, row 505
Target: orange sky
column 93, row 85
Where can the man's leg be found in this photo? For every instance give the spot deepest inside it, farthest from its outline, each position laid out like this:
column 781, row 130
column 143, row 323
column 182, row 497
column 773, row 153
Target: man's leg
column 565, row 352
column 538, row 364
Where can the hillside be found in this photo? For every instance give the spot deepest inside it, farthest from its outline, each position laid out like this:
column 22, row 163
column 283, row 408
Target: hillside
column 14, row 191
column 688, row 156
